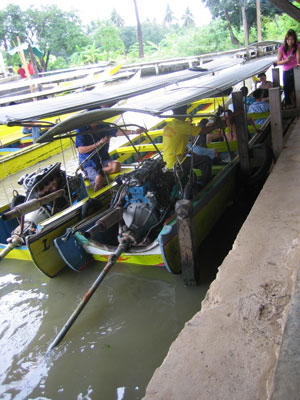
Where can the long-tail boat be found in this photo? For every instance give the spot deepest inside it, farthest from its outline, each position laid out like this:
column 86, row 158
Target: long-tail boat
column 208, row 204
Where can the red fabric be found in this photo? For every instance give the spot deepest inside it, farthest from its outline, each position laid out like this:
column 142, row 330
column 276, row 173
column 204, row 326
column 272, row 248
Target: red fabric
column 21, row 72
column 30, row 68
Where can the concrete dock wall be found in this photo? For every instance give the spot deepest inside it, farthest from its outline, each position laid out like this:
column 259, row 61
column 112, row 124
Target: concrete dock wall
column 230, row 350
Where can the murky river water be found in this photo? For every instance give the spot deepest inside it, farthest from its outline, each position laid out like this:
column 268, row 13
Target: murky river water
column 115, row 345
column 112, row 349
column 120, row 338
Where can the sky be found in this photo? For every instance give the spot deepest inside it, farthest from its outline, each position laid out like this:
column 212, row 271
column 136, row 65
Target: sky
column 101, row 9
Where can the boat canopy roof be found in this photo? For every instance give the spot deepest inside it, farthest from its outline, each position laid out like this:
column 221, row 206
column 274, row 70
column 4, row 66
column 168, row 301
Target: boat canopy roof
column 105, row 95
column 94, row 78
column 160, row 101
column 63, row 76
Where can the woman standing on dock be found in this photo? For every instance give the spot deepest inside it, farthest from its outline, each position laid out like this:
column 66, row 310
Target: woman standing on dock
column 289, row 57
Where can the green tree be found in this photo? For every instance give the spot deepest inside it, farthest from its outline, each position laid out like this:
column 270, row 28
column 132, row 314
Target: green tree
column 230, row 11
column 188, row 18
column 276, row 28
column 12, row 25
column 91, row 54
column 58, row 32
column 153, row 32
column 107, row 37
column 116, row 19
column 128, row 36
column 52, row 30
column 169, row 16
column 288, row 7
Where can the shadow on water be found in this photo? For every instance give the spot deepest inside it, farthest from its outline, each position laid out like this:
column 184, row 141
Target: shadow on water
column 120, row 338
column 219, row 242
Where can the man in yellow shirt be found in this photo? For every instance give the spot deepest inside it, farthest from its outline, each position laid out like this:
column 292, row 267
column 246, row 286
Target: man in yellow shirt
column 175, row 140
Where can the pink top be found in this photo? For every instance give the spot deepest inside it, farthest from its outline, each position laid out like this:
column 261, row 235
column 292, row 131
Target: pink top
column 293, row 62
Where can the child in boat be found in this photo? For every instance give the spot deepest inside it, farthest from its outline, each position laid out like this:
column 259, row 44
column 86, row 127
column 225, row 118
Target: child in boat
column 259, row 106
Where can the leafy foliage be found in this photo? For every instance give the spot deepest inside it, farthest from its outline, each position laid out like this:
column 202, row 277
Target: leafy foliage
column 107, row 37
column 276, row 28
column 64, row 40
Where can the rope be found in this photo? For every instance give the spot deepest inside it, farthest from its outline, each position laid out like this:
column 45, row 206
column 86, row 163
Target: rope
column 5, row 192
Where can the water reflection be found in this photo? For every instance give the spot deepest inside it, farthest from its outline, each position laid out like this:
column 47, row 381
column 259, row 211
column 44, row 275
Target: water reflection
column 112, row 349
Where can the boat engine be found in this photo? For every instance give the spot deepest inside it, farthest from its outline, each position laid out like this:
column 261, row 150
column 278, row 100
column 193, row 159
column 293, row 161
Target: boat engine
column 146, row 197
column 39, row 184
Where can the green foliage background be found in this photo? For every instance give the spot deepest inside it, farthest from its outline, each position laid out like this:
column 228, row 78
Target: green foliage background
column 65, row 41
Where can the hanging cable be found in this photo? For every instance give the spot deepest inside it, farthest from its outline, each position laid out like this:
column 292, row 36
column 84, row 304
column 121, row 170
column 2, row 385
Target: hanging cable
column 65, row 167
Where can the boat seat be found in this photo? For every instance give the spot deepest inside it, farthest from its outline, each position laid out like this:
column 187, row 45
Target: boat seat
column 221, row 147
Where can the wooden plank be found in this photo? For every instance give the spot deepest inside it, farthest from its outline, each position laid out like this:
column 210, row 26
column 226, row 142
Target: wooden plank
column 187, row 246
column 276, row 121
column 276, row 77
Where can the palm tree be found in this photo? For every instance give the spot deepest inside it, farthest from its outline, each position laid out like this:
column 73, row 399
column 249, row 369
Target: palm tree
column 139, row 31
column 116, row 19
column 188, row 18
column 169, row 17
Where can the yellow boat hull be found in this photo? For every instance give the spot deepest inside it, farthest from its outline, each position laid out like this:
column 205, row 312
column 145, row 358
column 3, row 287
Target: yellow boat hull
column 28, row 156
column 41, row 249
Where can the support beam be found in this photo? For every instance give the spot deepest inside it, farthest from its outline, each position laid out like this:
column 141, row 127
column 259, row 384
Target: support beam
column 297, row 86
column 276, row 77
column 188, row 251
column 242, row 132
column 276, row 121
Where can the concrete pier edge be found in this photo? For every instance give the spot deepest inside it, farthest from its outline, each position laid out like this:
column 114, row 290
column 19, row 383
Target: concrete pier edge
column 244, row 342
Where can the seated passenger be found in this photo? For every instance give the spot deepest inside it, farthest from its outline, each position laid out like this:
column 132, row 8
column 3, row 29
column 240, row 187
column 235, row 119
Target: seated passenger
column 175, row 142
column 265, row 85
column 34, row 130
column 199, row 146
column 89, row 138
column 246, row 99
column 259, row 106
column 230, row 128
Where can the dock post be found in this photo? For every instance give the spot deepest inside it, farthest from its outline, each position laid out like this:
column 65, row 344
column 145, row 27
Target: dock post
column 242, row 132
column 188, row 251
column 297, row 86
column 276, row 77
column 276, row 121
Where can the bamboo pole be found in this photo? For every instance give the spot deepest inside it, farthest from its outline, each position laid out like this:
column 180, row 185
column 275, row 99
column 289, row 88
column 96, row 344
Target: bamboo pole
column 24, row 63
column 113, row 259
